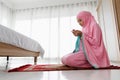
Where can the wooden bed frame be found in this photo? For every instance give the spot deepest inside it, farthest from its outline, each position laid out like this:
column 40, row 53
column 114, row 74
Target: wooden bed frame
column 7, row 50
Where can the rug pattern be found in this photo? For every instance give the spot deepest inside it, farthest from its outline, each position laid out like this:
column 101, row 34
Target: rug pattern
column 54, row 67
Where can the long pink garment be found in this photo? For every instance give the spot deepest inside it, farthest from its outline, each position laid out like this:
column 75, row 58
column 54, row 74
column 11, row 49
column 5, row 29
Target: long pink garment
column 76, row 59
column 93, row 53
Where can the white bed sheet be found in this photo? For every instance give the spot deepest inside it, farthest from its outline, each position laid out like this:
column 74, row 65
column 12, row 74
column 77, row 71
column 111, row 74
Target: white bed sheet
column 14, row 38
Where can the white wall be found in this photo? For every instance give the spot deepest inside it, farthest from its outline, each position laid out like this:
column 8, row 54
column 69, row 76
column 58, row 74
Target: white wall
column 7, row 3
column 6, row 13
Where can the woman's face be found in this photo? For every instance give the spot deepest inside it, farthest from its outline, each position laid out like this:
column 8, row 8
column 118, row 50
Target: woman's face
column 80, row 22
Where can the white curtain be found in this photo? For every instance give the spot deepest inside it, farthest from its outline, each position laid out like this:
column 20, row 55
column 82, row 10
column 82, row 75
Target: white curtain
column 108, row 26
column 5, row 15
column 51, row 26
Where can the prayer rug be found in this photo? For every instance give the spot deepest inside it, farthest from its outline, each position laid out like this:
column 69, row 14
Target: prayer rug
column 54, row 67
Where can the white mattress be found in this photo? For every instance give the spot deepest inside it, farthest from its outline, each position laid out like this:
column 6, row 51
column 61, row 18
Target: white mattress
column 14, row 38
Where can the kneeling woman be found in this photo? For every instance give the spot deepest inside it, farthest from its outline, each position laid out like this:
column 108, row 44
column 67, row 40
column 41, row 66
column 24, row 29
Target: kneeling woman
column 90, row 50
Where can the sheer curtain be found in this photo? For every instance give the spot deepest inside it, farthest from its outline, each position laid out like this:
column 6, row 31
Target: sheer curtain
column 5, row 15
column 51, row 26
column 107, row 22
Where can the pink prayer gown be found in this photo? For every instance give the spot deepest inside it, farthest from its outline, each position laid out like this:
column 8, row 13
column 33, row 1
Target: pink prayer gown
column 92, row 52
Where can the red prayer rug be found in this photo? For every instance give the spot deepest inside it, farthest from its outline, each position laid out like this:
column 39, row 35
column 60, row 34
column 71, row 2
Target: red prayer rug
column 54, row 67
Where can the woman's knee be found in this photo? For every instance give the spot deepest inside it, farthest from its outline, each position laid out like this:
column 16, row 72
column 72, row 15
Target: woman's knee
column 67, row 60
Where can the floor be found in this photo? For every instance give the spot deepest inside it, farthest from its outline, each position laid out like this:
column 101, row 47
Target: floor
column 54, row 75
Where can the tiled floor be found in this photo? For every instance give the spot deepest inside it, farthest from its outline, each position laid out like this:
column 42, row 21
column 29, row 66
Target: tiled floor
column 56, row 75
column 63, row 75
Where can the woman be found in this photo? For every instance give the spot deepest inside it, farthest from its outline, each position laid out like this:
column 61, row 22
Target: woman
column 90, row 50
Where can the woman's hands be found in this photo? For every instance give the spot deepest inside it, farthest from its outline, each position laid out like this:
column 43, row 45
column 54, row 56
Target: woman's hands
column 77, row 32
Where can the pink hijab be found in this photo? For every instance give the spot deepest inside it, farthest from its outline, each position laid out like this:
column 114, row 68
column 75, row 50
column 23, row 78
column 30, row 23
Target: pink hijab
column 88, row 20
column 93, row 44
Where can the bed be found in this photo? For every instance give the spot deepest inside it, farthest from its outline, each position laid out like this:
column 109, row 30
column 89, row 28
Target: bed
column 14, row 44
